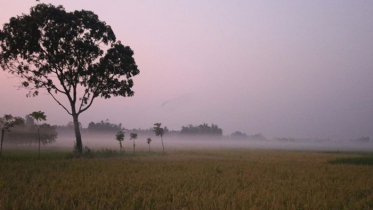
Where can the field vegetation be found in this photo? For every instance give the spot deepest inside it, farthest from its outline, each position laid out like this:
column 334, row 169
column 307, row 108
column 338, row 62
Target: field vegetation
column 198, row 179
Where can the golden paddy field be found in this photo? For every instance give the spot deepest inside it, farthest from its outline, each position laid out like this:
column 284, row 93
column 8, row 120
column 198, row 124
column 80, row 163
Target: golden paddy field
column 211, row 179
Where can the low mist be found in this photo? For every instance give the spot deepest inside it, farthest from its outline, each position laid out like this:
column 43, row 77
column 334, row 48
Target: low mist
column 97, row 140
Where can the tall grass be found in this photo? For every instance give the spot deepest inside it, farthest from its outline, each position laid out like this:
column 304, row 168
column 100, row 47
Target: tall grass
column 363, row 160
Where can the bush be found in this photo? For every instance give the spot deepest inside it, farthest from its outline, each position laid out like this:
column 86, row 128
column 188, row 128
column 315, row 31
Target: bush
column 102, row 153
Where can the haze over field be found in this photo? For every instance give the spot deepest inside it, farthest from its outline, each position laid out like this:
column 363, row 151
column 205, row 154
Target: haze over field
column 281, row 68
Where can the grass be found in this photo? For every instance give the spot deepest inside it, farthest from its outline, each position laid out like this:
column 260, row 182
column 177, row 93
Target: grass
column 364, row 160
column 221, row 179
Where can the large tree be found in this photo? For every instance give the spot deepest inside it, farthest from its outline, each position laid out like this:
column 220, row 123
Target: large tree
column 72, row 54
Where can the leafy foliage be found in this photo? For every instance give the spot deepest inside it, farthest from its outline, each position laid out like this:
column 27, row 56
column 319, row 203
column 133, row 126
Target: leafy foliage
column 158, row 130
column 120, row 136
column 38, row 116
column 133, row 136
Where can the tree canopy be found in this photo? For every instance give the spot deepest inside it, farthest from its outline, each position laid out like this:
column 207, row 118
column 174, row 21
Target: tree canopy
column 38, row 116
column 158, row 130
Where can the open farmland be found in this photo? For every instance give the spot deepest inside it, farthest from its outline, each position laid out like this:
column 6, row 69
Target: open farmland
column 198, row 179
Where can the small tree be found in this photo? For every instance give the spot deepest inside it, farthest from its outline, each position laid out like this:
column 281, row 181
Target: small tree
column 38, row 116
column 159, row 132
column 134, row 137
column 120, row 138
column 149, row 140
column 6, row 123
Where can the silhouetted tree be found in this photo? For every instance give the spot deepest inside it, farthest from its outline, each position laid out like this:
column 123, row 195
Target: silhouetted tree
column 69, row 53
column 159, row 132
column 120, row 138
column 38, row 116
column 149, row 140
column 6, row 123
column 134, row 137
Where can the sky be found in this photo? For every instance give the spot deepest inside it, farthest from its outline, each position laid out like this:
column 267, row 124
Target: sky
column 291, row 68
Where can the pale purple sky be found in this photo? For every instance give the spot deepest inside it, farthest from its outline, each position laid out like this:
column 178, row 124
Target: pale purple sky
column 281, row 68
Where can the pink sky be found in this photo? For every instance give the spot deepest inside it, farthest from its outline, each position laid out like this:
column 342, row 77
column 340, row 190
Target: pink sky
column 281, row 68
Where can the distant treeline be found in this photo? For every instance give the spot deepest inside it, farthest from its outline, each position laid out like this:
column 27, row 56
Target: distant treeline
column 202, row 130
column 192, row 131
column 243, row 136
column 104, row 126
column 361, row 139
column 28, row 133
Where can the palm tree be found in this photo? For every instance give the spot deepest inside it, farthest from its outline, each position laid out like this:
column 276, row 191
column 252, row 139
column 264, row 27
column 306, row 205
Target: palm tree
column 148, row 141
column 38, row 116
column 159, row 132
column 134, row 137
column 6, row 123
column 120, row 138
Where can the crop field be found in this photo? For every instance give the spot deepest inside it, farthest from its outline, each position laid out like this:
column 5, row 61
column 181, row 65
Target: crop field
column 195, row 179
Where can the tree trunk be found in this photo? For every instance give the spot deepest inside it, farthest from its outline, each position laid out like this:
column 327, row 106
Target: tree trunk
column 2, row 140
column 149, row 147
column 120, row 144
column 162, row 144
column 79, row 144
column 39, row 141
column 134, row 145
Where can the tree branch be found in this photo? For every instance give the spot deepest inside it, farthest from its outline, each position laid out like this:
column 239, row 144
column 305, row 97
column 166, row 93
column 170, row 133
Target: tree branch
column 60, row 103
column 81, row 104
column 89, row 105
